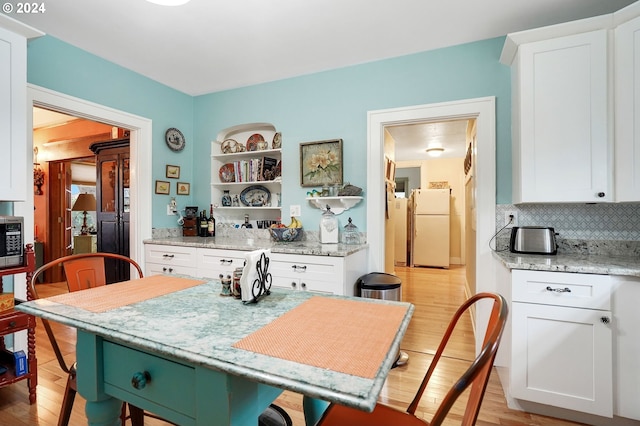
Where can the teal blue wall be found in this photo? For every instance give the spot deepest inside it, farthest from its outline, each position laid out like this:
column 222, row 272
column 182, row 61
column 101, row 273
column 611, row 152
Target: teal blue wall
column 334, row 104
column 59, row 66
column 326, row 105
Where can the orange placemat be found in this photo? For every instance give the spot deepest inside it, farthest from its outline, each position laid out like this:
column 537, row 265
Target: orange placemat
column 112, row 296
column 348, row 336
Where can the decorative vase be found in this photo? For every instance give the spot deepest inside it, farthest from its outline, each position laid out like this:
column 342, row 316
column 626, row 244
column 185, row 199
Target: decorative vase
column 226, row 199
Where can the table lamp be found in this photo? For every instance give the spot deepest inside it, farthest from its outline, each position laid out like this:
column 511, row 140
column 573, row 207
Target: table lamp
column 84, row 203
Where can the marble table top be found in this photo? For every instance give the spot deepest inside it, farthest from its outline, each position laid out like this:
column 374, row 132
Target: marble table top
column 197, row 326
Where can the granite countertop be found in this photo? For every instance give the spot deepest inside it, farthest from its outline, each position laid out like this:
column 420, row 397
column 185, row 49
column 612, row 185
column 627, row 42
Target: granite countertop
column 247, row 244
column 208, row 327
column 578, row 263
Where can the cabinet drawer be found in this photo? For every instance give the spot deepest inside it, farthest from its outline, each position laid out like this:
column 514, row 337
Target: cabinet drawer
column 211, row 263
column 171, row 384
column 301, row 267
column 313, row 286
column 562, row 289
column 170, row 255
column 15, row 321
column 159, row 269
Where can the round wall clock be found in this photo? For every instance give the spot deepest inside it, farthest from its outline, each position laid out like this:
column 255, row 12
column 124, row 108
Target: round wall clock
column 174, row 139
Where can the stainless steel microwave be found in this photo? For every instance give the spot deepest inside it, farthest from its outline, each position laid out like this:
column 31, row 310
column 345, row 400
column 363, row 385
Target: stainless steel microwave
column 11, row 241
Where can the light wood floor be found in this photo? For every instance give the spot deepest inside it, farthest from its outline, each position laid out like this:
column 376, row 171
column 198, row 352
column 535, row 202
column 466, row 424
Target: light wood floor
column 436, row 294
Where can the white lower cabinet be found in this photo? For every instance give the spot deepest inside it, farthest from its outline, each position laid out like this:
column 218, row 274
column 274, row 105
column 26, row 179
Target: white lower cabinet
column 167, row 259
column 626, row 367
column 562, row 340
column 320, row 274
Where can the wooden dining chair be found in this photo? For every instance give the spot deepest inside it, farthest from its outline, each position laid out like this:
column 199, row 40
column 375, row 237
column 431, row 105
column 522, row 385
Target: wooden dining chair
column 476, row 376
column 82, row 271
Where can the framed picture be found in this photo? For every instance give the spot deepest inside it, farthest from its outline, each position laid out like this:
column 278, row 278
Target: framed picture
column 321, row 163
column 162, row 187
column 173, row 172
column 183, row 188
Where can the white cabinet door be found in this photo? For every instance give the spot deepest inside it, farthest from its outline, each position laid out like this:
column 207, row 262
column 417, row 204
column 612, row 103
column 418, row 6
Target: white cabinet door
column 626, row 293
column 13, row 120
column 562, row 357
column 561, row 133
column 627, row 111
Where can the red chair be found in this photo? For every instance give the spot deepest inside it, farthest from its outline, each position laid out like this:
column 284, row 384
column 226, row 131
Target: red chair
column 476, row 376
column 82, row 271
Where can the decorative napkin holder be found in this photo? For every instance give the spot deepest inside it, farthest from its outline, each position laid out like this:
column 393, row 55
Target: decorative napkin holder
column 256, row 278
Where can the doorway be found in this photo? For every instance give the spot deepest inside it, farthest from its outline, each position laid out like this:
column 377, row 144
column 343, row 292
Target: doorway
column 482, row 109
column 141, row 161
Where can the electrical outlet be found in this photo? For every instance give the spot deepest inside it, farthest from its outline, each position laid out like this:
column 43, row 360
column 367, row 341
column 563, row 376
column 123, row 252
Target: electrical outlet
column 507, row 217
column 295, row 211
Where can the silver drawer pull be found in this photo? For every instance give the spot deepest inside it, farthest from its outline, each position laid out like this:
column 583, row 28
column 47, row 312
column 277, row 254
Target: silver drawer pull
column 296, row 267
column 139, row 380
column 170, row 256
column 559, row 290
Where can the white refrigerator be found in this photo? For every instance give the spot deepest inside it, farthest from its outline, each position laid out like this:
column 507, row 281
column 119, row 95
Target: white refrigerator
column 430, row 227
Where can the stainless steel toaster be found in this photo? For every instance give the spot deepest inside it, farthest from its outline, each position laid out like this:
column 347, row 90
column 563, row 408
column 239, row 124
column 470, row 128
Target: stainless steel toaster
column 533, row 240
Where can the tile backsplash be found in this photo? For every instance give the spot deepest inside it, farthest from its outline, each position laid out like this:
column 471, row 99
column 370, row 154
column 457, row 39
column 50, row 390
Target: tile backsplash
column 585, row 228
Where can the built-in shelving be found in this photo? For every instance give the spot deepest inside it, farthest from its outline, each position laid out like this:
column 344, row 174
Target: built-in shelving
column 241, row 135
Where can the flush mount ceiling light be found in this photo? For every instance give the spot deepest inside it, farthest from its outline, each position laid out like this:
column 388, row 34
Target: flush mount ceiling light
column 169, row 2
column 435, row 151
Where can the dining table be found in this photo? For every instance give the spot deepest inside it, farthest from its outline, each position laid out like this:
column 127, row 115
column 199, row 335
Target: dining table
column 180, row 348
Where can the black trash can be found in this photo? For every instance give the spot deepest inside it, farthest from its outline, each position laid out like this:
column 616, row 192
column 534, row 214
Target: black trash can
column 380, row 285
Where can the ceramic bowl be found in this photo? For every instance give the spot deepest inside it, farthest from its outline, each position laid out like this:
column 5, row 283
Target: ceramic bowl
column 286, row 234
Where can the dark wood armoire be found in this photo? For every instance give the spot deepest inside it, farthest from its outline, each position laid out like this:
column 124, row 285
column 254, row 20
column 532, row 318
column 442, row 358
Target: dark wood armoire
column 112, row 203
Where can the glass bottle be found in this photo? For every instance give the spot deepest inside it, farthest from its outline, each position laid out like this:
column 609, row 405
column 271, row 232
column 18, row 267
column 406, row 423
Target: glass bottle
column 211, row 223
column 226, row 199
column 203, row 224
column 246, row 223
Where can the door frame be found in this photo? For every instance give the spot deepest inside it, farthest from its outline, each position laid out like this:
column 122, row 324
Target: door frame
column 140, row 149
column 483, row 109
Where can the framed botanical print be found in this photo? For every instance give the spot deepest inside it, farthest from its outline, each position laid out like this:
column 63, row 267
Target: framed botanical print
column 321, row 163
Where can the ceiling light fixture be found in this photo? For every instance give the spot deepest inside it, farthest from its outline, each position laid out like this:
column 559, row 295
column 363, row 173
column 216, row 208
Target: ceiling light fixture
column 169, row 2
column 435, row 151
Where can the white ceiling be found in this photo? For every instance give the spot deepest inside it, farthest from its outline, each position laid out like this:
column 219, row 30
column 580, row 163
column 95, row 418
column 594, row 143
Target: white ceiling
column 208, row 45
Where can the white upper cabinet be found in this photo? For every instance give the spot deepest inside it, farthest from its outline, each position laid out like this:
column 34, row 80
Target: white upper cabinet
column 561, row 132
column 576, row 110
column 627, row 110
column 13, row 109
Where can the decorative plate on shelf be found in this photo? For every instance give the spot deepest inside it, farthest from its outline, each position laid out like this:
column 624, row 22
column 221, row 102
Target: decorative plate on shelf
column 254, row 141
column 255, row 196
column 228, row 146
column 227, row 173
column 277, row 141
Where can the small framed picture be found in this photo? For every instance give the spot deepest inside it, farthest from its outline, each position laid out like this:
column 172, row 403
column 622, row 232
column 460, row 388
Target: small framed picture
column 183, row 188
column 321, row 163
column 162, row 187
column 173, row 172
